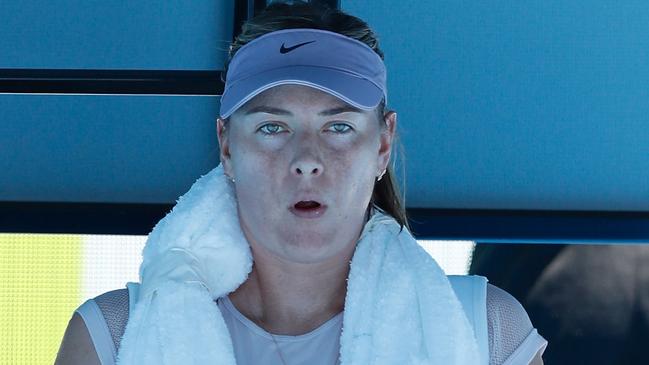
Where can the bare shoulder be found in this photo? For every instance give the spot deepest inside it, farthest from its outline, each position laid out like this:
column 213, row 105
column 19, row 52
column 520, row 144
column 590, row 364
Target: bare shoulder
column 76, row 346
column 509, row 327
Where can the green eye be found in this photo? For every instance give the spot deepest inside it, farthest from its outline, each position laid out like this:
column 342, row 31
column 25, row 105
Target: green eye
column 270, row 128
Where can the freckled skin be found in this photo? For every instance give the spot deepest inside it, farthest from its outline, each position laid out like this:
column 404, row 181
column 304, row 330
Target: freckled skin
column 306, row 154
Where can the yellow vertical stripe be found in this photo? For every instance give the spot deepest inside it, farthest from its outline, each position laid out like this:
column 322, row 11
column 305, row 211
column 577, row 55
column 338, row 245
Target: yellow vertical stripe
column 40, row 282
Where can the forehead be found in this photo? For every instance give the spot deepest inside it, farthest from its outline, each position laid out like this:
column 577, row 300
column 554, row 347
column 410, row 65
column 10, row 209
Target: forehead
column 295, row 97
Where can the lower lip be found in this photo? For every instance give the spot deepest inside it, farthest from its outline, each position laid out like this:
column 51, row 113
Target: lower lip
column 309, row 213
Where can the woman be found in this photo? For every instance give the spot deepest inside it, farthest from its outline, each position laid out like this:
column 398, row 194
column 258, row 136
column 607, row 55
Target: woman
column 300, row 235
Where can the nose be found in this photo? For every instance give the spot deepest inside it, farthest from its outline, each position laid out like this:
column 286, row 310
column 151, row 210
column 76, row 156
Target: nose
column 306, row 167
column 306, row 164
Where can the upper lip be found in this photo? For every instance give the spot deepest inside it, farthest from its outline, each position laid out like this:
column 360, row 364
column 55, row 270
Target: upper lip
column 308, row 198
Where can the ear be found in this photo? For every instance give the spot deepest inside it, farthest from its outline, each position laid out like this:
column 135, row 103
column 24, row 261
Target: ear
column 386, row 140
column 223, row 136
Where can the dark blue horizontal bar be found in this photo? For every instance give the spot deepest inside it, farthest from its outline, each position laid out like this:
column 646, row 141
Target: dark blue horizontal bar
column 80, row 218
column 59, row 81
column 530, row 226
column 496, row 226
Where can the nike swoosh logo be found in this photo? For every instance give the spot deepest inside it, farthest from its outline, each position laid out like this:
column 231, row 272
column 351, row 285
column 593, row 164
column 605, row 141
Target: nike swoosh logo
column 285, row 49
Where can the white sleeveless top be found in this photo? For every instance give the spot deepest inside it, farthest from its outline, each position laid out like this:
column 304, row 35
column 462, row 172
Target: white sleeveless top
column 504, row 333
column 254, row 345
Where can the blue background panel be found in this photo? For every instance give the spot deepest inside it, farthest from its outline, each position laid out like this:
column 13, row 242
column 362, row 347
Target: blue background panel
column 519, row 105
column 105, row 148
column 501, row 106
column 120, row 34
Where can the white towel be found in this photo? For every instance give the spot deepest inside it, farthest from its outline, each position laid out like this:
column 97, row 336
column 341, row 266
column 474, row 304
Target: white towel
column 399, row 309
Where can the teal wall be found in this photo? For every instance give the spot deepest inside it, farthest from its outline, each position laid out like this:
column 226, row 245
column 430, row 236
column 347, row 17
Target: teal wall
column 535, row 105
column 105, row 148
column 116, row 34
column 509, row 104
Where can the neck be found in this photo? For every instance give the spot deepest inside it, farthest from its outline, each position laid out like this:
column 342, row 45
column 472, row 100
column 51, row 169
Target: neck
column 291, row 298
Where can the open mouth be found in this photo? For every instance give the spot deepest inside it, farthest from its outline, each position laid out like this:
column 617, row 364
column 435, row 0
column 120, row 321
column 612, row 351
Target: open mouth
column 306, row 205
column 308, row 209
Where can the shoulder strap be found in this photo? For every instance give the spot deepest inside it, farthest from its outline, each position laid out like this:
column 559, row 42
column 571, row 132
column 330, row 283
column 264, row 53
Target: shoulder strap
column 471, row 290
column 105, row 317
column 133, row 290
column 99, row 331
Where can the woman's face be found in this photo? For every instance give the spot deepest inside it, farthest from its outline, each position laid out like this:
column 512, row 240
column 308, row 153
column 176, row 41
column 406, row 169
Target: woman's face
column 295, row 143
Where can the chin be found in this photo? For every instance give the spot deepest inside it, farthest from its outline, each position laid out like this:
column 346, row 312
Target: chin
column 306, row 250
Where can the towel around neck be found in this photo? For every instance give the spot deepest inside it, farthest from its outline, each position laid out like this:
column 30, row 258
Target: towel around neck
column 399, row 307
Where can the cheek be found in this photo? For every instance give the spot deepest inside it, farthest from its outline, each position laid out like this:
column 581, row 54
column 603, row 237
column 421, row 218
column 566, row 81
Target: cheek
column 255, row 170
column 354, row 167
column 253, row 158
column 262, row 164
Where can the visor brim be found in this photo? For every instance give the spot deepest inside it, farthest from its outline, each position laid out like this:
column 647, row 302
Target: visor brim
column 352, row 89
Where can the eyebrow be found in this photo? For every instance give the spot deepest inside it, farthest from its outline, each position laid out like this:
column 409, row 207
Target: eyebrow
column 324, row 113
column 339, row 110
column 269, row 110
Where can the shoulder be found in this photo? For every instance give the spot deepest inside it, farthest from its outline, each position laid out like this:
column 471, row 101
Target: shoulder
column 96, row 329
column 503, row 328
column 114, row 305
column 511, row 333
column 503, row 306
column 114, row 308
column 76, row 346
